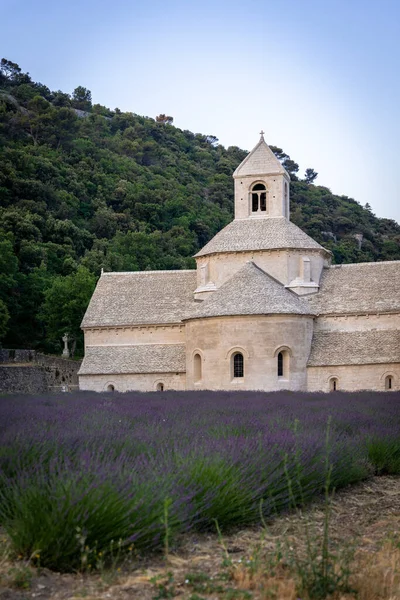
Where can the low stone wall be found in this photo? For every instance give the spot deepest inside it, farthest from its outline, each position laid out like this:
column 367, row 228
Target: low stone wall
column 28, row 379
column 17, row 356
column 28, row 371
column 59, row 372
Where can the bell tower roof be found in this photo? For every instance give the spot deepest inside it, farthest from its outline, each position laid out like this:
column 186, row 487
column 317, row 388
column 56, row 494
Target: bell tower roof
column 260, row 161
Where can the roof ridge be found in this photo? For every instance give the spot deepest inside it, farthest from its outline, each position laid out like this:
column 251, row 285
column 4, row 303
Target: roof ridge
column 148, row 272
column 371, row 262
column 135, row 345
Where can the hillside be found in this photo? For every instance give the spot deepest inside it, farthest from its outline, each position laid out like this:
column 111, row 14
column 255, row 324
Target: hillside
column 84, row 188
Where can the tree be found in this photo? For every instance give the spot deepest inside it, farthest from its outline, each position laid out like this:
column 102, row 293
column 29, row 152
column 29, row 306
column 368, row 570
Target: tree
column 65, row 304
column 289, row 164
column 310, row 176
column 61, row 99
column 9, row 70
column 4, row 318
column 38, row 120
column 291, row 167
column 8, row 270
column 82, row 98
column 213, row 140
column 279, row 153
column 166, row 120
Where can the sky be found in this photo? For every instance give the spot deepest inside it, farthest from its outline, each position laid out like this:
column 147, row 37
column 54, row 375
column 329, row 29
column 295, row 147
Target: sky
column 320, row 77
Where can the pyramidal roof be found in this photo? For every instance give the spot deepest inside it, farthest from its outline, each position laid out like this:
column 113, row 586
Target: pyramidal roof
column 251, row 291
column 244, row 235
column 260, row 161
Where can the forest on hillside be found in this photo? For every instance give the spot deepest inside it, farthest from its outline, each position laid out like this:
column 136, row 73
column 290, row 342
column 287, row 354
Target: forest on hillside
column 83, row 187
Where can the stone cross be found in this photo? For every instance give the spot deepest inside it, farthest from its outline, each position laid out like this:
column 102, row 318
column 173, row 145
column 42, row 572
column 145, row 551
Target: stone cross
column 262, row 133
column 65, row 339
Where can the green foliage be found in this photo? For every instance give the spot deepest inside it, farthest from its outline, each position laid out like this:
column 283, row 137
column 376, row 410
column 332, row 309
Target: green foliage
column 81, row 185
column 322, row 571
column 82, row 98
column 4, row 318
column 21, row 577
column 310, row 176
column 65, row 303
column 384, row 454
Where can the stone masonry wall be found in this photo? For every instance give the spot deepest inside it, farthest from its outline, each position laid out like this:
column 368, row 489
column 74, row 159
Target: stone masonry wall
column 28, row 371
column 141, row 382
column 28, row 379
column 353, row 377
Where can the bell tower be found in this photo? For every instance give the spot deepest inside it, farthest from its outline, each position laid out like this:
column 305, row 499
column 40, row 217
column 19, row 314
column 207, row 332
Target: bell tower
column 261, row 185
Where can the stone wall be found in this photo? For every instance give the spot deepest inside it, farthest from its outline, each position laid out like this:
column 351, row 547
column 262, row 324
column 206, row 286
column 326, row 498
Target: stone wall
column 28, row 371
column 141, row 382
column 59, row 372
column 140, row 334
column 284, row 265
column 16, row 356
column 362, row 322
column 259, row 338
column 353, row 377
column 28, row 379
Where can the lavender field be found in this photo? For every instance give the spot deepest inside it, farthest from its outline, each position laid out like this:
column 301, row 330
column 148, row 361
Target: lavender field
column 83, row 475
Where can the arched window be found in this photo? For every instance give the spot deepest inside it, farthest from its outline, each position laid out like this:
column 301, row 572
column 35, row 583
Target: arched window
column 333, row 384
column 160, row 387
column 258, row 198
column 197, row 367
column 238, row 365
column 280, row 364
column 110, row 388
column 389, row 382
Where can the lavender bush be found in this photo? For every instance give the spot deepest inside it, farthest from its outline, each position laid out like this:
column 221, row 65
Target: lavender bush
column 82, row 473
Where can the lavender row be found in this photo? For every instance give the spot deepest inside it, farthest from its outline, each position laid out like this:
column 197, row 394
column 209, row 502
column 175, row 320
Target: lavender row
column 81, row 472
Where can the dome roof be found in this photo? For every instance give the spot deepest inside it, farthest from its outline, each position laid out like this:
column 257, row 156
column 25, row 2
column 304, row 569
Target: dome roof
column 245, row 235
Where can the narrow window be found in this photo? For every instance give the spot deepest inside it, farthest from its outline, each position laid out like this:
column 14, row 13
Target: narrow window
column 283, row 364
column 280, row 364
column 286, row 203
column 197, row 367
column 110, row 388
column 263, row 201
column 254, row 204
column 238, row 365
column 389, row 382
column 160, row 387
column 333, row 384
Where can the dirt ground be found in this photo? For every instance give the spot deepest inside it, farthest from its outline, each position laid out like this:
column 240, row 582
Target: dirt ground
column 365, row 517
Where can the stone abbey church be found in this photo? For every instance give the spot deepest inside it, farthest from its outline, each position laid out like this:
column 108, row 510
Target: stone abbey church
column 264, row 309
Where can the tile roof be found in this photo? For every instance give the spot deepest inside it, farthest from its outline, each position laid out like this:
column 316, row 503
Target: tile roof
column 251, row 291
column 355, row 348
column 142, row 358
column 360, row 287
column 260, row 161
column 143, row 297
column 269, row 233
